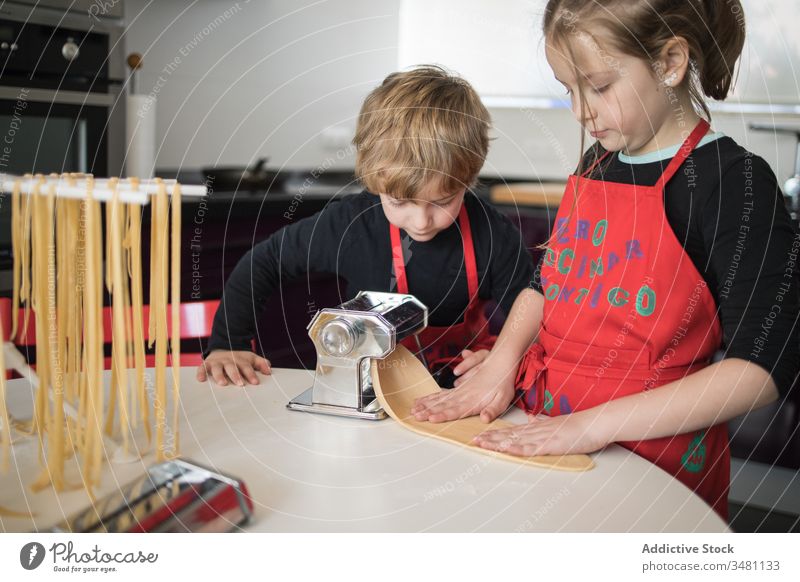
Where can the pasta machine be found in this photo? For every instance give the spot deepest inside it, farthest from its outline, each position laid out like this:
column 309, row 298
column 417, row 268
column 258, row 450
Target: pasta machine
column 346, row 339
column 173, row 496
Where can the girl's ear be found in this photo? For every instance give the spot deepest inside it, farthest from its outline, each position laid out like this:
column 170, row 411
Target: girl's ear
column 673, row 62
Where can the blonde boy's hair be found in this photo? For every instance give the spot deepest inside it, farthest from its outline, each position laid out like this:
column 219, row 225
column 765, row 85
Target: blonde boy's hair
column 420, row 127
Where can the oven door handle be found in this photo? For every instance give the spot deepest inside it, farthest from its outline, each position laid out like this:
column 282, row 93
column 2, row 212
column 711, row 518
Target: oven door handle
column 58, row 97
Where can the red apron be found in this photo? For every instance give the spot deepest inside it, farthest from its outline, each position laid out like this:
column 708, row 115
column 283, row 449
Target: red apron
column 626, row 311
column 442, row 346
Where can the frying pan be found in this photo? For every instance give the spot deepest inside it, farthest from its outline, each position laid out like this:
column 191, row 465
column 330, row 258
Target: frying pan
column 255, row 177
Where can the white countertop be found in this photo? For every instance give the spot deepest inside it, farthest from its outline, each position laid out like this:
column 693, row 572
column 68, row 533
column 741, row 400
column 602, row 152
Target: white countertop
column 314, row 473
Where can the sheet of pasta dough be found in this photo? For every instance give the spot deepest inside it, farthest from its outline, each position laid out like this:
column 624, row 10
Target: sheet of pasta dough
column 401, row 378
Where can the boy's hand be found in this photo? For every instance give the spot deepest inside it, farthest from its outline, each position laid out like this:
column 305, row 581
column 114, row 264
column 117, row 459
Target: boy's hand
column 226, row 366
column 469, row 366
column 488, row 393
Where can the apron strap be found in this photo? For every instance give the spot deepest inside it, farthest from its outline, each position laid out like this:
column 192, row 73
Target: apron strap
column 397, row 259
column 683, row 152
column 469, row 256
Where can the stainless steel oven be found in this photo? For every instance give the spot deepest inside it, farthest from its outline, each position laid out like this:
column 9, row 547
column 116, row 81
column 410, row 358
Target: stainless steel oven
column 61, row 102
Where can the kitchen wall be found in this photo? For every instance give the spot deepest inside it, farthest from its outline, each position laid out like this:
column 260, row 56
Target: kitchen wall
column 238, row 80
column 235, row 80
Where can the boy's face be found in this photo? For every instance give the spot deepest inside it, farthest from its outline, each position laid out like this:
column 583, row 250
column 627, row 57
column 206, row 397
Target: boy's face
column 429, row 213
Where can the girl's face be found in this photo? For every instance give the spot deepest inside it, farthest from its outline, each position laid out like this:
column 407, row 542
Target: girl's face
column 626, row 107
column 429, row 213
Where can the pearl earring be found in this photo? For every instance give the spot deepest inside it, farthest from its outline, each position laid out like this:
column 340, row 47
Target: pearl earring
column 670, row 79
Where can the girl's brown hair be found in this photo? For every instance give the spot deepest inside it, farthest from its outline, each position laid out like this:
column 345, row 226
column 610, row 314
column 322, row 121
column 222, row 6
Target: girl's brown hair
column 713, row 29
column 421, row 126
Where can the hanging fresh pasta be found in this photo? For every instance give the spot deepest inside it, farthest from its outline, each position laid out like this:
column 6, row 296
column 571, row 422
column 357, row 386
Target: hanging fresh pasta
column 74, row 237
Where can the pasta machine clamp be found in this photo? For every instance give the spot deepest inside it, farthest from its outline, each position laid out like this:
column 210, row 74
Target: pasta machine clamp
column 347, row 338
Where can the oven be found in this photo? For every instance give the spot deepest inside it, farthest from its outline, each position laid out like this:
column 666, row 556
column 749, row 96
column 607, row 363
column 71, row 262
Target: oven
column 61, row 103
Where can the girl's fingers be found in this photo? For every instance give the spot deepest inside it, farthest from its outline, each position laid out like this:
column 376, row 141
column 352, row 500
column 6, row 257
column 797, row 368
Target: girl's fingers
column 494, row 409
column 425, row 401
column 467, row 363
column 202, row 376
column 424, row 412
column 515, row 433
column 520, row 450
column 437, row 406
column 445, row 415
column 428, row 398
column 454, row 408
column 426, row 407
column 470, row 361
column 419, row 404
column 448, row 411
column 496, row 436
column 522, row 442
column 511, row 442
column 467, row 375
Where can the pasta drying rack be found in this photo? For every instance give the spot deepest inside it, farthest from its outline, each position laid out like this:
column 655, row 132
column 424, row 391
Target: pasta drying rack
column 129, row 190
column 117, row 191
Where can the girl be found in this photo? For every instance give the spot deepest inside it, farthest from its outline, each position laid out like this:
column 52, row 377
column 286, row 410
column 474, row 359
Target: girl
column 671, row 241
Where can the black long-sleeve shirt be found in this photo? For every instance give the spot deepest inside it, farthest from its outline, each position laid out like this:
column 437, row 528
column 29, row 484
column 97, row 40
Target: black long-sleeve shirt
column 725, row 206
column 350, row 238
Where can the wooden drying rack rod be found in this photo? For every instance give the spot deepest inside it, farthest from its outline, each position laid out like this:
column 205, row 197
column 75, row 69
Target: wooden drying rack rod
column 77, row 186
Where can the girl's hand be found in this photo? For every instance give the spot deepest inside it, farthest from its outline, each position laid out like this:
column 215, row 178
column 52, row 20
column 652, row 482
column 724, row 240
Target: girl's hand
column 487, row 392
column 574, row 433
column 226, row 367
column 469, row 366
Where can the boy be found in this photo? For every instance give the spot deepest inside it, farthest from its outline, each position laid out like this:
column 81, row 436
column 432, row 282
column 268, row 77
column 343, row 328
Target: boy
column 421, row 139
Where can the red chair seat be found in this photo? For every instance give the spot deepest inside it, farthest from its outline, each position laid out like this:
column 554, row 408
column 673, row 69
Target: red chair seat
column 196, row 321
